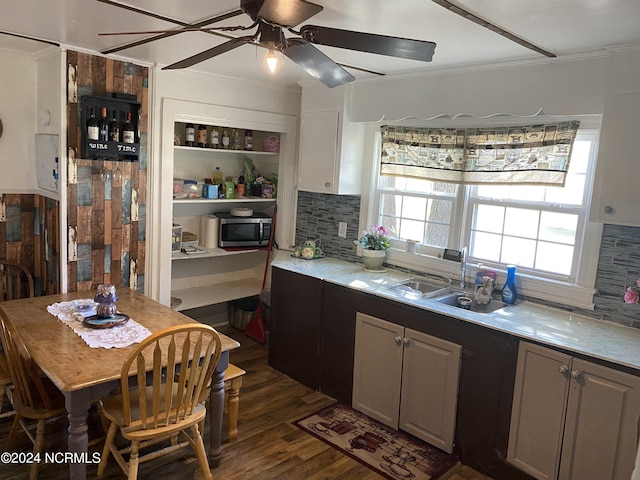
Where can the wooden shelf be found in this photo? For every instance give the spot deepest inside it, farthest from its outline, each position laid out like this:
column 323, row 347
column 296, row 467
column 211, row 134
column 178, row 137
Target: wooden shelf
column 217, row 293
column 222, row 151
column 224, row 200
column 210, row 252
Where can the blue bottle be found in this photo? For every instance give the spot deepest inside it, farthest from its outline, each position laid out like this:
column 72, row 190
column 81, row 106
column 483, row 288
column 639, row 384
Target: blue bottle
column 509, row 293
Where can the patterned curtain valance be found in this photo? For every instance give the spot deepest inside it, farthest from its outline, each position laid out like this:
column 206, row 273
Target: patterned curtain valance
column 530, row 154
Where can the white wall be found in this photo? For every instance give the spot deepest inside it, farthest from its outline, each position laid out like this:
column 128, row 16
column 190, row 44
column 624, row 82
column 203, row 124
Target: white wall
column 18, row 114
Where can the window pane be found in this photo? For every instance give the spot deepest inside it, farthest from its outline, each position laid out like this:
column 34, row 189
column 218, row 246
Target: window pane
column 437, row 235
column 411, row 229
column 521, row 222
column 558, row 227
column 439, row 211
column 390, row 204
column 414, row 207
column 392, row 224
column 489, row 218
column 518, row 251
column 485, row 246
column 554, row 258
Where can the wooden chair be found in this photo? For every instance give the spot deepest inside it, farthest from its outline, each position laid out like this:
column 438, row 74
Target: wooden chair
column 162, row 405
column 34, row 396
column 232, row 383
column 15, row 281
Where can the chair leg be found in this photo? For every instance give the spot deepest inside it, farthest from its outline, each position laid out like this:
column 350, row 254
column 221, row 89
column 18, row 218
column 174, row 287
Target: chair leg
column 234, row 401
column 15, row 427
column 37, row 448
column 201, row 453
column 134, row 460
column 111, row 435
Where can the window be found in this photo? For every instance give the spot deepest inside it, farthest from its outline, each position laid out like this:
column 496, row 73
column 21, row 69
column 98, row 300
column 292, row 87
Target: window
column 540, row 229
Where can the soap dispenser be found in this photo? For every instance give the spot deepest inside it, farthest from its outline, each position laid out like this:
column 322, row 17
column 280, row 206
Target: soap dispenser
column 509, row 293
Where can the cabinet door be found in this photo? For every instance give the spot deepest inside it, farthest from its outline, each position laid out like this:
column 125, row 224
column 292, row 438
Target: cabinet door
column 601, row 429
column 294, row 335
column 319, row 152
column 430, row 373
column 537, row 415
column 617, row 169
column 377, row 369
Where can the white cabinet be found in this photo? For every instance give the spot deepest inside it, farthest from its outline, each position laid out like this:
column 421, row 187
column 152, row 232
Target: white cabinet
column 572, row 419
column 618, row 169
column 331, row 149
column 406, row 379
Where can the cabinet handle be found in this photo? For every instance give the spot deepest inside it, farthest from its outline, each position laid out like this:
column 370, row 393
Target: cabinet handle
column 608, row 209
column 406, row 342
column 398, row 340
column 564, row 370
column 327, row 184
column 576, row 374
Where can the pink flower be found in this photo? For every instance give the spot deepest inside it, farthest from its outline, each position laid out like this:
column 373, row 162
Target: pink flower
column 631, row 296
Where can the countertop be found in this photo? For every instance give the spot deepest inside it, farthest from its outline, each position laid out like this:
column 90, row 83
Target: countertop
column 554, row 327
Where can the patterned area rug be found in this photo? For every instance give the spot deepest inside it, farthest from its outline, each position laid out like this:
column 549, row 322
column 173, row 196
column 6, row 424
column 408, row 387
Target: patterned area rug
column 394, row 455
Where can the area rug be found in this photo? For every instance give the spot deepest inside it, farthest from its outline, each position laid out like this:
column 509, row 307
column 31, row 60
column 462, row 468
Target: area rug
column 393, row 454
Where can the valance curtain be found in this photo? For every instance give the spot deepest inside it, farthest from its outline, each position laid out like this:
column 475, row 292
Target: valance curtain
column 531, row 154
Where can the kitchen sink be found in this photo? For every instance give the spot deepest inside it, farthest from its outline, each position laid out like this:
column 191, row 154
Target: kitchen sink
column 451, row 298
column 418, row 287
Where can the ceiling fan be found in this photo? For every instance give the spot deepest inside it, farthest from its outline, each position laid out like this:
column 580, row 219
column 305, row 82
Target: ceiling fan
column 271, row 18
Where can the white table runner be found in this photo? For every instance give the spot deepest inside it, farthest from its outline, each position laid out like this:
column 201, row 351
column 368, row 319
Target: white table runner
column 120, row 336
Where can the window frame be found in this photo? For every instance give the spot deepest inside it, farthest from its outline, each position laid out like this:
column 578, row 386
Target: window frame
column 575, row 289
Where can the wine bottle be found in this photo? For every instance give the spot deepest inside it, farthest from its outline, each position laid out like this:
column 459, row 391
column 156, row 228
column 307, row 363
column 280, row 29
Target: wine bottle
column 225, row 139
column 128, row 133
column 215, row 138
column 103, row 129
column 93, row 127
column 236, row 139
column 114, row 128
column 202, row 136
column 189, row 134
column 248, row 140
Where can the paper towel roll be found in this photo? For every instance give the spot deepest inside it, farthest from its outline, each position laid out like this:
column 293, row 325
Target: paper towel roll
column 203, row 230
column 211, row 231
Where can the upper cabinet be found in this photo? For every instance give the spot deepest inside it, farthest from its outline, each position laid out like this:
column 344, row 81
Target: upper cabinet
column 617, row 169
column 331, row 147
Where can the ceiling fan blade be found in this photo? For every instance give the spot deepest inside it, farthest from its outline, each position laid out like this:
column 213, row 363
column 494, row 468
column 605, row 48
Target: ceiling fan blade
column 316, row 63
column 17, row 35
column 210, row 53
column 168, row 33
column 369, row 42
column 286, row 13
column 483, row 23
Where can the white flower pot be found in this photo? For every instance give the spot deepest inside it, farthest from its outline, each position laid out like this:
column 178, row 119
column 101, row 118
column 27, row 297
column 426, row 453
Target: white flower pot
column 373, row 259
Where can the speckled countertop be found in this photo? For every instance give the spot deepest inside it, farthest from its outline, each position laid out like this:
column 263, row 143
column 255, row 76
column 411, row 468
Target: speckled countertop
column 551, row 326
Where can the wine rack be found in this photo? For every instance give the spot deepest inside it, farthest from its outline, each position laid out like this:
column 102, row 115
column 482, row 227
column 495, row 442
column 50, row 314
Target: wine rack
column 107, row 150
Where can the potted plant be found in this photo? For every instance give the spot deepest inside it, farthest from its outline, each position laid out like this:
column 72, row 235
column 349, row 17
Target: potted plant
column 375, row 243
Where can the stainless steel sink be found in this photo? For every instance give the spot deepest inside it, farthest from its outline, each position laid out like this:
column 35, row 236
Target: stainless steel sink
column 451, row 298
column 419, row 287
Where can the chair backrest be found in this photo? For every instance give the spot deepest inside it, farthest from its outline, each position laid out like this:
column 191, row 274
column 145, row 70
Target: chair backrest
column 15, row 281
column 28, row 388
column 172, row 369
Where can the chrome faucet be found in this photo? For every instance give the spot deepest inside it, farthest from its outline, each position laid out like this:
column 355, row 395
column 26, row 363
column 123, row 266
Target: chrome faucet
column 463, row 267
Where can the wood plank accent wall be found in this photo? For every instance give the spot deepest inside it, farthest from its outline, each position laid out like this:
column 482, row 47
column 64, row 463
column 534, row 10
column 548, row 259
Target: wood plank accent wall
column 30, row 236
column 106, row 213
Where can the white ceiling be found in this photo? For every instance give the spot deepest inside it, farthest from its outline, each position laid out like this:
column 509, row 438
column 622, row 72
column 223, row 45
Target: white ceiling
column 565, row 27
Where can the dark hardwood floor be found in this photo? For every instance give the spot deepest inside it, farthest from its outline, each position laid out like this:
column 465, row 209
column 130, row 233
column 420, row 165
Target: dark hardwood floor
column 268, row 445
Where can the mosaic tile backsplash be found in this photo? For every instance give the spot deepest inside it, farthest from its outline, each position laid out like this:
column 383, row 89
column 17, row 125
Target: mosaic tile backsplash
column 618, row 268
column 618, row 265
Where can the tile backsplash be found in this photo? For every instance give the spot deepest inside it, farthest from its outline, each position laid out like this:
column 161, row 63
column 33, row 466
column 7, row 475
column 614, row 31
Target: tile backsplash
column 618, row 268
column 318, row 217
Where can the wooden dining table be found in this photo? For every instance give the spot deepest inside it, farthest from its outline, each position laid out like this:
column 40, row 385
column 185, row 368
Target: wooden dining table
column 86, row 374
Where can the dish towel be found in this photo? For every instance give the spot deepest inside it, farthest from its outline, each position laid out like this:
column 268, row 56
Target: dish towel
column 120, row 336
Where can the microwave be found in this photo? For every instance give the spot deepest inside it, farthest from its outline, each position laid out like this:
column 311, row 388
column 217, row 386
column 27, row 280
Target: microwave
column 253, row 231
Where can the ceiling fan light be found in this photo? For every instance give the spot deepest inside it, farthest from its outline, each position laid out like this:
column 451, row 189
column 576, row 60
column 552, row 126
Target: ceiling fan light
column 272, row 60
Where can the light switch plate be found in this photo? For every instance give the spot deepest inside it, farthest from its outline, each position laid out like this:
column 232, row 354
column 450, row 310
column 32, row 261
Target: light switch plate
column 342, row 229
